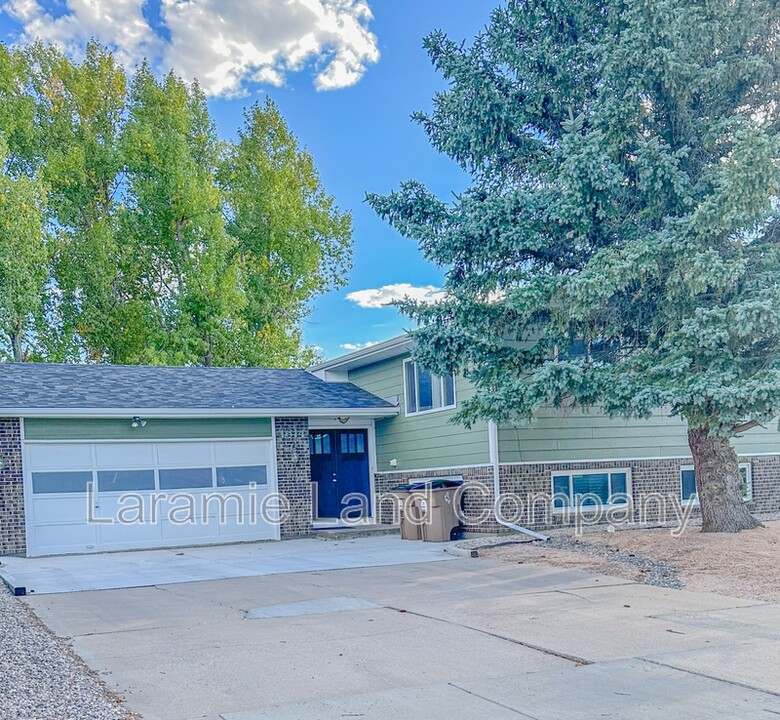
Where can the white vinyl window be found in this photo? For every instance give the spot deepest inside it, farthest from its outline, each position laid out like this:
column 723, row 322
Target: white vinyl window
column 591, row 488
column 688, row 492
column 426, row 392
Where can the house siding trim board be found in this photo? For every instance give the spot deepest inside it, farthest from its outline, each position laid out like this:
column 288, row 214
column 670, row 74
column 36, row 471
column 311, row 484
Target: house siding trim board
column 113, row 429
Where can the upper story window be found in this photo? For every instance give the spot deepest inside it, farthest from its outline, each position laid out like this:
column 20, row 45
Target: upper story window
column 426, row 392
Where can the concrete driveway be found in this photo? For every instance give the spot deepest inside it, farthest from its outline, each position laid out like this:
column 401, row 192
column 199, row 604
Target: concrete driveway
column 466, row 638
column 105, row 571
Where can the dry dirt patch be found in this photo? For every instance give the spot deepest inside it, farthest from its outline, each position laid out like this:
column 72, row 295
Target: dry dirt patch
column 745, row 565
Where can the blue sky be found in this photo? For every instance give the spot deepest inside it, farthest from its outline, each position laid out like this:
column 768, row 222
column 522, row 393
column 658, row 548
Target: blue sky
column 346, row 75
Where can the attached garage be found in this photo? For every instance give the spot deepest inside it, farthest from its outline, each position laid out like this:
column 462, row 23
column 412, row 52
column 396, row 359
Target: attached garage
column 90, row 497
column 104, row 458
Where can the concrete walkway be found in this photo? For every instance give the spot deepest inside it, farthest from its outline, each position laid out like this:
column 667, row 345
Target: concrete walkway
column 462, row 639
column 105, row 571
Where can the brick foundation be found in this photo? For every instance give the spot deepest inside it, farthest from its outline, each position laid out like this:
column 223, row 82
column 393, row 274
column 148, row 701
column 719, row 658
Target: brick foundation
column 12, row 530
column 294, row 473
column 648, row 478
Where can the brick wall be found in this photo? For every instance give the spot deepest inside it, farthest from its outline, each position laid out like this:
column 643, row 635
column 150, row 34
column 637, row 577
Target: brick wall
column 294, row 473
column 12, row 532
column 650, row 479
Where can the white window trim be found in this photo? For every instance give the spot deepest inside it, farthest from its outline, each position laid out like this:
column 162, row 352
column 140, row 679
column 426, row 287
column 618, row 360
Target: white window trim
column 416, row 380
column 695, row 499
column 591, row 471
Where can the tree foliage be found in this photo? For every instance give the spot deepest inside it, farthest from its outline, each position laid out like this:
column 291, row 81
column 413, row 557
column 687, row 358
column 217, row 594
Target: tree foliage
column 619, row 245
column 131, row 233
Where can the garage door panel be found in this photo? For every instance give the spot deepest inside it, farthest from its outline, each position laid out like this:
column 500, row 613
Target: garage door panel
column 182, row 454
column 203, row 530
column 242, row 528
column 128, row 536
column 65, row 538
column 242, row 453
column 125, row 455
column 59, row 456
column 134, row 505
column 59, row 509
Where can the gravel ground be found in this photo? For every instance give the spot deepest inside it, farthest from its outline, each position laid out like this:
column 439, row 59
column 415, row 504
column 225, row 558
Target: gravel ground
column 40, row 676
column 745, row 565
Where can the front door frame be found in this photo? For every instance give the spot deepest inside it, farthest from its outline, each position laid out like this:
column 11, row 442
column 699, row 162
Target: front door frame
column 369, row 425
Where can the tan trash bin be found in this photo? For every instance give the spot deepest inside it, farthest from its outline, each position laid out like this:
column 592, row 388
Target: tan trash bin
column 442, row 511
column 408, row 512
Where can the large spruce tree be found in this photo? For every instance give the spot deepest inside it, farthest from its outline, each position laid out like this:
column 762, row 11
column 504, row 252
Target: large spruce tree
column 619, row 245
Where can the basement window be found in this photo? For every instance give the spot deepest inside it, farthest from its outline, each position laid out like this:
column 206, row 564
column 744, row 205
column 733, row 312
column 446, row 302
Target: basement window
column 591, row 488
column 689, row 494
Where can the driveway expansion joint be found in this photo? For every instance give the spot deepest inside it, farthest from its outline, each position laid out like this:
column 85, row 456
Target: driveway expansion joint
column 538, row 648
column 755, row 688
column 493, row 702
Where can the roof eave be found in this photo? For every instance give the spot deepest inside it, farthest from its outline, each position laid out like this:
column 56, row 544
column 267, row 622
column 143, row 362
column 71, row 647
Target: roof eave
column 198, row 413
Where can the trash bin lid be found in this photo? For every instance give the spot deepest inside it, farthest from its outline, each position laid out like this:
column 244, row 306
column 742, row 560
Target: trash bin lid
column 429, row 484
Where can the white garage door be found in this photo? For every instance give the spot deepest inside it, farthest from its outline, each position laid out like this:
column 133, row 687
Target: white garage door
column 83, row 497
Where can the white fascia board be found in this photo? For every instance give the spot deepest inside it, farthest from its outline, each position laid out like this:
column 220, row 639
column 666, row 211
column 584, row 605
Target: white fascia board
column 366, row 356
column 183, row 413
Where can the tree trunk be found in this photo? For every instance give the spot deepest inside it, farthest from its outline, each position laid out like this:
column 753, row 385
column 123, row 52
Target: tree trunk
column 16, row 345
column 718, row 483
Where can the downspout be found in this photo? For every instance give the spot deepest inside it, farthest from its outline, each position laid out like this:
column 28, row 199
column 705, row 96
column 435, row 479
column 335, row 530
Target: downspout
column 493, row 450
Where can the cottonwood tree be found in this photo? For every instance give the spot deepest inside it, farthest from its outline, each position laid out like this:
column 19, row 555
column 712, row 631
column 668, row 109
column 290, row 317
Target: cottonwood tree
column 290, row 241
column 23, row 261
column 163, row 242
column 619, row 245
column 24, row 251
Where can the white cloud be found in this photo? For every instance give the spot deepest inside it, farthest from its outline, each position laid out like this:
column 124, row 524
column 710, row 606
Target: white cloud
column 226, row 44
column 389, row 294
column 119, row 24
column 357, row 346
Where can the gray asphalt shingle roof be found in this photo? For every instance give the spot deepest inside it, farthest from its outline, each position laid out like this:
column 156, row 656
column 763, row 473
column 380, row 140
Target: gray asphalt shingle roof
column 37, row 385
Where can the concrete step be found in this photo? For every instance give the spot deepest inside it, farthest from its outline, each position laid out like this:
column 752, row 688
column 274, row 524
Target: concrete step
column 350, row 533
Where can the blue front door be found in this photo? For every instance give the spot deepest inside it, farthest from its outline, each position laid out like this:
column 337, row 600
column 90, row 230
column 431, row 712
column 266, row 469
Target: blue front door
column 339, row 467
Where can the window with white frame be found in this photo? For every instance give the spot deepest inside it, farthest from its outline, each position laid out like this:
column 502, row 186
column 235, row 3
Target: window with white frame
column 426, row 392
column 689, row 493
column 584, row 488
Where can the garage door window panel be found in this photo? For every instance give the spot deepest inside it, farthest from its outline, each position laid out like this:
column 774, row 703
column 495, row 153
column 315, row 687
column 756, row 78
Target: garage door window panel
column 125, row 480
column 46, row 483
column 186, row 479
column 242, row 476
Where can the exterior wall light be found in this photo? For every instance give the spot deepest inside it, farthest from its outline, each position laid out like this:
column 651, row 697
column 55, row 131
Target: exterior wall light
column 344, row 419
column 138, row 422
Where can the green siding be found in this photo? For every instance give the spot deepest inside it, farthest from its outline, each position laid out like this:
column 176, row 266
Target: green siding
column 561, row 437
column 420, row 441
column 162, row 429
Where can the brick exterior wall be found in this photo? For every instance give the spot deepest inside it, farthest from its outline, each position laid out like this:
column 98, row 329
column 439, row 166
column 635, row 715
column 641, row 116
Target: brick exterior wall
column 12, row 532
column 294, row 473
column 648, row 478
